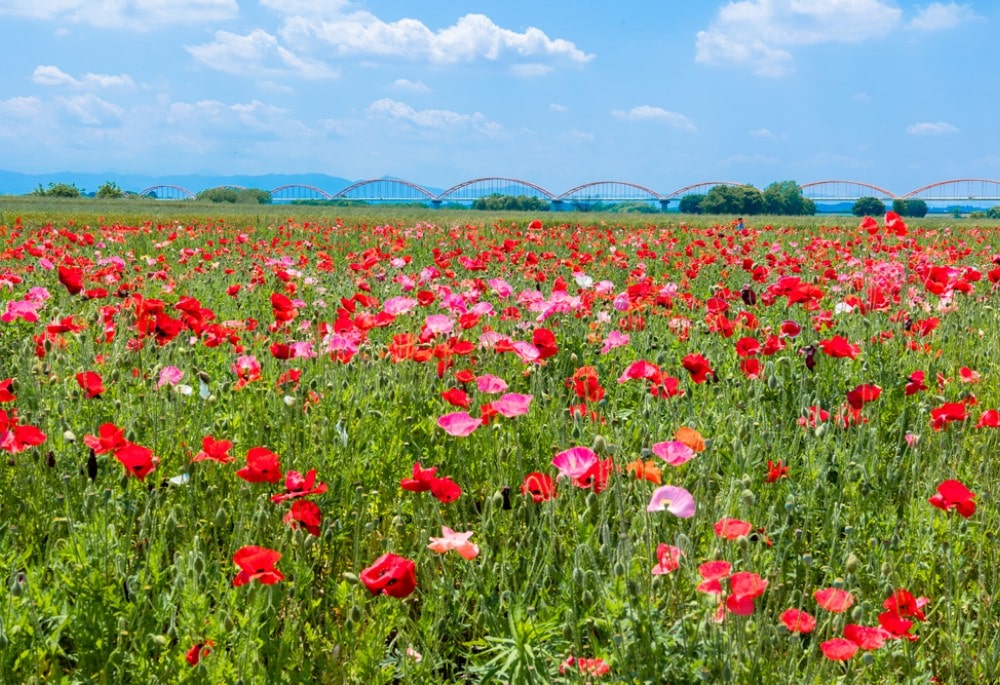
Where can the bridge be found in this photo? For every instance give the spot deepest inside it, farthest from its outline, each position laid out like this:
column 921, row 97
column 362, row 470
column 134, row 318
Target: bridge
column 390, row 190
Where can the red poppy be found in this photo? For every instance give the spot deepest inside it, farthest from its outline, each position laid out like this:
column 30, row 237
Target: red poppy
column 839, row 649
column 989, row 419
column 110, row 438
column 862, row 395
column 540, row 486
column 667, row 559
column 731, row 529
column 391, row 575
column 15, row 438
column 445, row 489
column 865, row 637
column 952, row 494
column 263, row 466
column 698, row 367
column 915, row 383
column 305, row 513
column 456, row 397
column 838, row 346
column 214, row 450
column 946, row 413
column 137, row 460
column 198, row 651
column 903, row 602
column 776, row 471
column 257, row 563
column 297, row 485
column 798, row 621
column 7, row 390
column 72, row 278
column 545, row 341
column 596, row 477
column 834, row 599
column 91, row 383
column 424, row 480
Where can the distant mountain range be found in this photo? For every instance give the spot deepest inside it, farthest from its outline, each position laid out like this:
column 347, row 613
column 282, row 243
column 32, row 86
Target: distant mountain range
column 14, row 183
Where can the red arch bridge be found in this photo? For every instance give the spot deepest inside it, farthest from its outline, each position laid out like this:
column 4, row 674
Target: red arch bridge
column 390, row 190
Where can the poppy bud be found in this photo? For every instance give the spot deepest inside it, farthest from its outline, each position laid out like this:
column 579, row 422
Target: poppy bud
column 851, row 565
column 350, row 577
column 599, row 444
column 858, row 613
column 356, row 613
column 204, row 377
column 807, row 559
column 69, row 436
column 578, row 576
column 749, row 498
column 838, row 583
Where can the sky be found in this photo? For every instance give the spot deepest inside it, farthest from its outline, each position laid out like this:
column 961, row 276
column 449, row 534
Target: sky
column 663, row 93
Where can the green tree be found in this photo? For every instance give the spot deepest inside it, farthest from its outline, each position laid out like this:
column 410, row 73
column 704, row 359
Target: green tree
column 915, row 208
column 993, row 212
column 691, row 204
column 520, row 203
column 868, row 206
column 733, row 200
column 235, row 195
column 109, row 191
column 785, row 198
column 58, row 190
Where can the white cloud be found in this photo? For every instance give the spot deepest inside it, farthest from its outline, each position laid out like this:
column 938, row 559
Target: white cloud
column 91, row 110
column 939, row 16
column 556, row 107
column 648, row 112
column 763, row 134
column 48, row 75
column 931, row 128
column 433, row 119
column 472, row 37
column 761, row 33
column 256, row 54
column 411, row 86
column 131, row 14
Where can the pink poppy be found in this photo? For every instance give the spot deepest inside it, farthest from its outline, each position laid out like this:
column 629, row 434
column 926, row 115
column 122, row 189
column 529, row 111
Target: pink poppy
column 673, row 452
column 674, row 499
column 459, row 424
column 575, row 462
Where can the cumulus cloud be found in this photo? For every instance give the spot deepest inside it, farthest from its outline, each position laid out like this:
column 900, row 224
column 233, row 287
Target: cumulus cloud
column 763, row 134
column 48, row 75
column 411, row 86
column 931, row 128
column 940, row 16
column 91, row 110
column 762, row 33
column 650, row 113
column 131, row 14
column 257, row 53
column 433, row 119
column 472, row 37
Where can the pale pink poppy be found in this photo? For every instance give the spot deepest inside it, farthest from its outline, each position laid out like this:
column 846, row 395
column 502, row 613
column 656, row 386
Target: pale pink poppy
column 614, row 339
column 439, row 324
column 399, row 305
column 512, row 404
column 674, row 499
column 526, row 351
column 575, row 462
column 501, row 287
column 171, row 375
column 673, row 452
column 458, row 542
column 459, row 424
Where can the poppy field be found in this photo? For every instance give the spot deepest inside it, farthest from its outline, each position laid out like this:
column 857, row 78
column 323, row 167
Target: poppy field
column 433, row 449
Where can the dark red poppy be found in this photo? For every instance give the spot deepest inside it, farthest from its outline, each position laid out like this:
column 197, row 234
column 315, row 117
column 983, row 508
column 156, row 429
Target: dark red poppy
column 257, row 563
column 72, row 278
column 391, row 575
column 7, row 390
column 698, row 367
column 297, row 485
column 198, row 651
column 544, row 341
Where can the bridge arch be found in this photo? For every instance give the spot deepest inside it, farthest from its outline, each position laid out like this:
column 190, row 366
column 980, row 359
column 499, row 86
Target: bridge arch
column 612, row 191
column 299, row 191
column 166, row 191
column 476, row 188
column 845, row 190
column 958, row 189
column 383, row 189
column 704, row 185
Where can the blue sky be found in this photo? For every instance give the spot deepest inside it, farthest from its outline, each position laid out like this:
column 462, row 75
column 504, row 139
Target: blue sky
column 660, row 93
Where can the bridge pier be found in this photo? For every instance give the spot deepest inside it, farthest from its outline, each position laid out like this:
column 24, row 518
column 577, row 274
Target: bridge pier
column 664, row 204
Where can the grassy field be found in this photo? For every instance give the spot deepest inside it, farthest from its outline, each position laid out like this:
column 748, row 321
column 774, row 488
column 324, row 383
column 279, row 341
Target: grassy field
column 218, row 421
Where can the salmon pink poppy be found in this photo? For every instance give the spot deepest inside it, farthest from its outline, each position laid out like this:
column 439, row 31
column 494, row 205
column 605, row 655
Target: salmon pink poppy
column 452, row 541
column 645, row 470
column 834, row 599
column 798, row 621
column 391, row 575
column 674, row 499
column 257, row 563
column 713, row 573
column 952, row 494
column 668, row 559
column 730, row 529
column 540, row 486
column 839, row 649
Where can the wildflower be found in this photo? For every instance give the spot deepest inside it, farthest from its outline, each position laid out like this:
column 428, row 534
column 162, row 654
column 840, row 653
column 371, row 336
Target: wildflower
column 214, row 450
column 673, row 452
column 952, row 494
column 459, row 542
column 199, row 651
column 730, row 529
column 298, row 486
column 834, row 599
column 459, row 424
column 667, row 559
column 839, row 347
column 798, row 621
column 946, row 413
column 306, row 514
column 645, row 470
column 691, row 438
column 15, row 438
column 137, row 460
column 594, row 667
column 540, row 486
column 263, row 466
column 91, row 384
column 257, row 563
column 674, row 499
column 575, row 462
column 698, row 367
column 391, row 575
column 109, row 439
column 776, row 471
